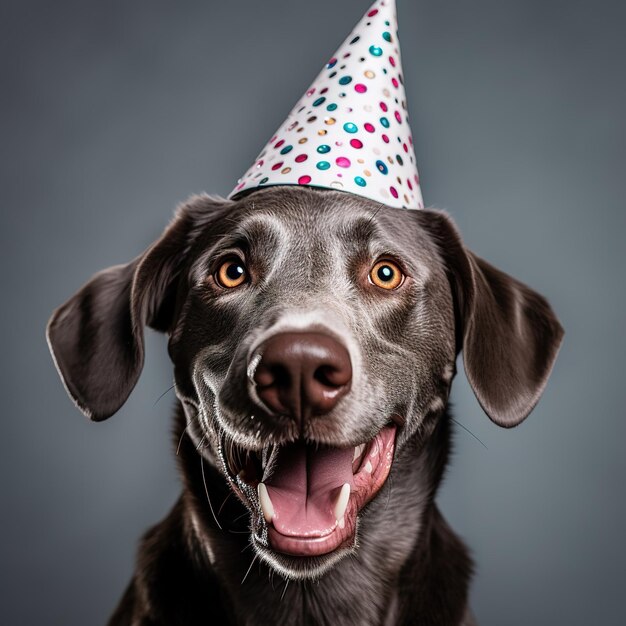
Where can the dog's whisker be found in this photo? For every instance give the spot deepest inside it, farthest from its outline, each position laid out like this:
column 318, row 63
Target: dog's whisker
column 180, row 441
column 284, row 590
column 470, row 432
column 206, row 490
column 374, row 214
column 164, row 394
column 240, row 516
column 230, row 493
column 256, row 556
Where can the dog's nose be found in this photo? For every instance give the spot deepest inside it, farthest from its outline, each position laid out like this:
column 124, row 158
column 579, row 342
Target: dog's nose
column 302, row 373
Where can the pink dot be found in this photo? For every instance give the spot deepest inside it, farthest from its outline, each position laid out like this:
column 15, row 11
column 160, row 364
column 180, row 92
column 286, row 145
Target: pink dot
column 395, row 82
column 324, row 91
column 260, row 163
column 394, row 192
column 279, row 143
column 369, row 127
column 356, row 143
column 408, row 182
column 346, row 55
column 304, row 180
column 392, row 61
column 411, row 139
column 360, row 88
column 343, row 162
column 273, row 138
column 417, row 180
column 406, row 148
column 241, row 185
column 310, row 92
column 372, row 13
column 385, row 139
column 384, row 107
column 301, row 158
column 277, row 166
column 398, row 117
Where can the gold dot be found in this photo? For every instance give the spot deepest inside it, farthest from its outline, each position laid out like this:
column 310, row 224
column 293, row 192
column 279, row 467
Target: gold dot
column 300, row 129
column 390, row 160
column 367, row 172
column 387, row 92
column 406, row 198
column 369, row 74
column 303, row 140
column 285, row 170
column 360, row 161
column 322, row 132
column 330, row 121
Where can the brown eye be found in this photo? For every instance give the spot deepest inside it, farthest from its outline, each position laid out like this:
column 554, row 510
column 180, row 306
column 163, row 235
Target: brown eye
column 386, row 275
column 231, row 274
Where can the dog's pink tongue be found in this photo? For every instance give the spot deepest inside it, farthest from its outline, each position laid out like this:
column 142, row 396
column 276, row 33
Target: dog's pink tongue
column 304, row 488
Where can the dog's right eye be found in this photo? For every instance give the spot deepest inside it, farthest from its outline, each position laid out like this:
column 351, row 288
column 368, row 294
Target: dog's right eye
column 231, row 274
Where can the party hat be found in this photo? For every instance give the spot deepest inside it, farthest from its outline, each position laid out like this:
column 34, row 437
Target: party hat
column 350, row 131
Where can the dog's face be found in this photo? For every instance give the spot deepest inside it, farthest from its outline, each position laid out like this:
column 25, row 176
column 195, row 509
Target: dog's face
column 314, row 334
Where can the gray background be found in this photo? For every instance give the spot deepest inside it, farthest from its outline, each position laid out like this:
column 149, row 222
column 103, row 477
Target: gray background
column 112, row 112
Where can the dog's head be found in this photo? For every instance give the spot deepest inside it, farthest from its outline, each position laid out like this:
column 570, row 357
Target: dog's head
column 313, row 334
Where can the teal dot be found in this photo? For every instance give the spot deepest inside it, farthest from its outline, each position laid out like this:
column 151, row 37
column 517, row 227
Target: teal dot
column 386, row 22
column 323, row 149
column 323, row 165
column 385, row 122
column 399, row 159
column 360, row 181
column 387, row 36
column 345, row 80
column 349, row 127
column 319, row 101
column 263, row 181
column 382, row 168
column 286, row 150
column 331, row 107
column 376, row 51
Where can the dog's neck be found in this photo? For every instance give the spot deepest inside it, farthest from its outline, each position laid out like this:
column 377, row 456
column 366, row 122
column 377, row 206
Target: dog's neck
column 401, row 537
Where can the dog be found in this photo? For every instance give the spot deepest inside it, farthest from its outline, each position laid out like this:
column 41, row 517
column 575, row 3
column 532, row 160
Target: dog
column 314, row 336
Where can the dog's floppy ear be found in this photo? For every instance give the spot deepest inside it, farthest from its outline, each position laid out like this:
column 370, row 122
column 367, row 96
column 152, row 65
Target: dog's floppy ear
column 96, row 337
column 509, row 334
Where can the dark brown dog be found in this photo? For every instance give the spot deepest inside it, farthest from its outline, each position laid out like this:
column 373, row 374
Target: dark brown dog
column 314, row 337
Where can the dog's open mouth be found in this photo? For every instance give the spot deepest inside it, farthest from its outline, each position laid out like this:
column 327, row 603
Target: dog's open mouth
column 310, row 495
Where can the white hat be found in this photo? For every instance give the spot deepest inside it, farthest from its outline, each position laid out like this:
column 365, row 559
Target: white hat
column 350, row 131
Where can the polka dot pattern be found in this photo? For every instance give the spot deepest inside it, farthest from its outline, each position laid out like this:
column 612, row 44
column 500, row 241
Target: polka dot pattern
column 350, row 131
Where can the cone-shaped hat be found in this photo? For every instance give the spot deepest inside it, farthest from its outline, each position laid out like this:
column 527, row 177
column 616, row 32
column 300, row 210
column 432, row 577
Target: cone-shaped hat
column 350, row 131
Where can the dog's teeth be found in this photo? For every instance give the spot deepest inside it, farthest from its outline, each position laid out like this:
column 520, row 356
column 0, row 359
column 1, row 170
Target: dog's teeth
column 342, row 523
column 358, row 451
column 368, row 467
column 342, row 502
column 266, row 504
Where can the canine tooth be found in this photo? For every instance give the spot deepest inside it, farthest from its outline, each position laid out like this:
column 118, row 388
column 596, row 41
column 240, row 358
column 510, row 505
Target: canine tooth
column 342, row 523
column 266, row 504
column 368, row 467
column 358, row 451
column 342, row 502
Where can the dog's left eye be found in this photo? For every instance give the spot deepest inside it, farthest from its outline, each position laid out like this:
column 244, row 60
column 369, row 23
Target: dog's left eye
column 386, row 275
column 231, row 274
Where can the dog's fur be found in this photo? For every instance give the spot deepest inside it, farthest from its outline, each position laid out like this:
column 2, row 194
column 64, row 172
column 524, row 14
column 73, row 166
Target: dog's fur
column 308, row 253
